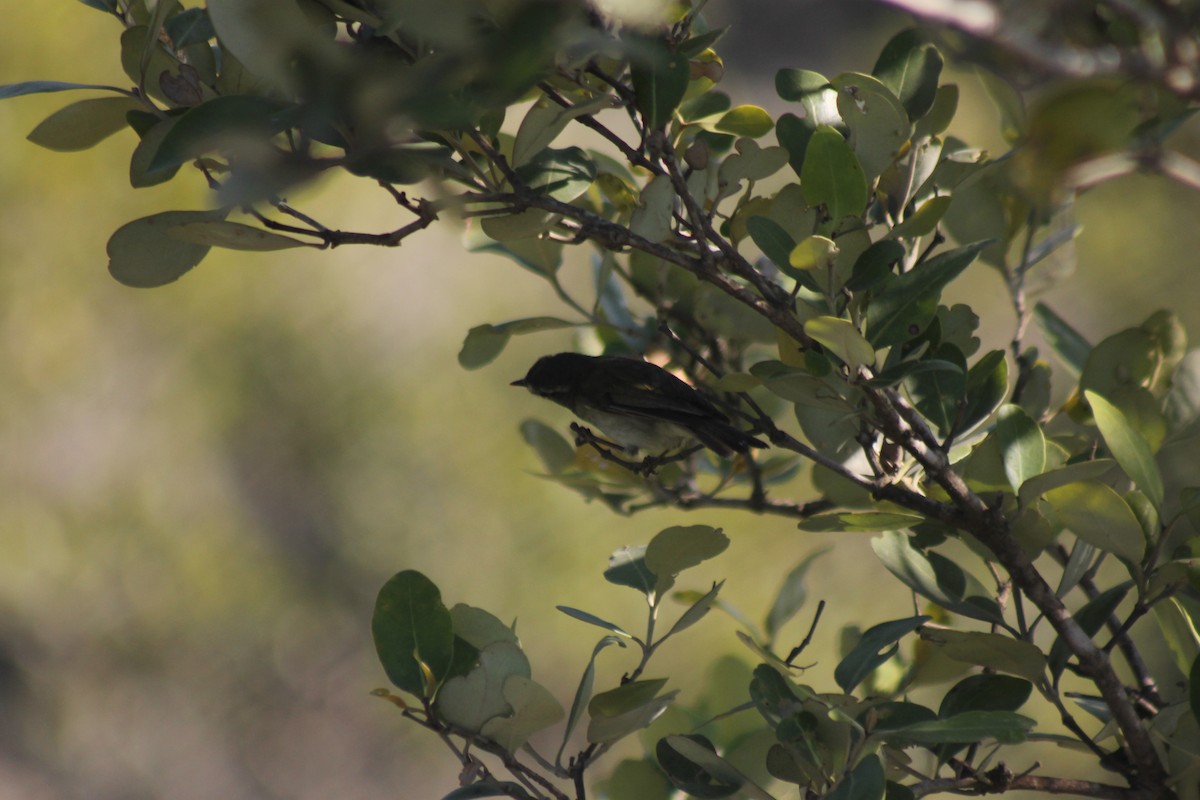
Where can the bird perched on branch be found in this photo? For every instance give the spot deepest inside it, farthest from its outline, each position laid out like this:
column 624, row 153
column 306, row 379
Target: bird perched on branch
column 639, row 405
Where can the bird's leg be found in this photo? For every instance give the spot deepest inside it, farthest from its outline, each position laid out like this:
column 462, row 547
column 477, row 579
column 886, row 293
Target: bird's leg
column 585, row 436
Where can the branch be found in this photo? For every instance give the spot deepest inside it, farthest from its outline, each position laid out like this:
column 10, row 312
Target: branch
column 983, row 784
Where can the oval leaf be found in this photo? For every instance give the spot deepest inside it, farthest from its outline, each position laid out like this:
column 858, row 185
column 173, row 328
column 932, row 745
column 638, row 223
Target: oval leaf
column 1022, row 445
column 233, row 236
column 413, row 631
column 144, row 254
column 1129, row 448
column 842, row 339
column 1099, row 516
column 831, row 175
column 83, row 124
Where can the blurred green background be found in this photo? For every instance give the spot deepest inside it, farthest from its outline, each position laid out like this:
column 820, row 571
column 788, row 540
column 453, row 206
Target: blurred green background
column 203, row 486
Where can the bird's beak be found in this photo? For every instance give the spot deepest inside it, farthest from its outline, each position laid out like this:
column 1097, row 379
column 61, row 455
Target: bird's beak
column 519, row 383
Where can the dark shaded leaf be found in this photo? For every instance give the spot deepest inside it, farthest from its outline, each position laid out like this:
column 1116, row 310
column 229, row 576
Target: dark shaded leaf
column 627, row 567
column 144, row 254
column 876, row 646
column 902, row 306
column 865, row 782
column 219, row 122
column 910, row 67
column 987, row 386
column 985, row 693
column 659, row 81
column 1070, row 346
column 43, row 87
column 412, row 628
column 83, row 124
column 970, row 726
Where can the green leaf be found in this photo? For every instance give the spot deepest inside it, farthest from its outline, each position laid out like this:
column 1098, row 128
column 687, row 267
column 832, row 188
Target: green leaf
column 220, row 122
column 83, row 124
column 878, row 123
column 1064, row 340
column 910, row 67
column 699, row 751
column 43, row 87
column 640, row 778
column 1194, row 688
column 791, row 596
column 583, row 694
column 987, row 386
column 876, row 645
column 970, row 726
column 874, row 265
column 832, row 176
column 985, row 692
column 140, row 175
column 904, row 305
column 484, row 342
column 1129, row 448
column 680, row 547
column 627, row 567
column 191, row 26
column 813, row 91
column 1035, row 487
column 413, row 632
column 470, row 701
column 533, row 709
column 544, row 121
column 1022, row 445
column 626, row 709
column 1099, row 516
column 937, row 383
column 697, row 610
column 233, row 236
column 652, row 219
column 860, row 521
column 865, row 782
column 770, row 237
column 556, row 453
column 562, row 174
column 659, row 83
column 924, row 220
column 939, row 117
column 592, row 619
column 1179, row 630
column 841, row 338
column 936, row 577
column 991, row 650
column 144, row 254
column 745, row 120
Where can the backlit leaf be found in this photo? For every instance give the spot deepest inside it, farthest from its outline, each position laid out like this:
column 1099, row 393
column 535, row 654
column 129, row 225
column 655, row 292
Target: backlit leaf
column 144, row 254
column 1098, row 515
column 832, row 176
column 83, row 124
column 875, row 646
column 1129, row 448
column 1022, row 445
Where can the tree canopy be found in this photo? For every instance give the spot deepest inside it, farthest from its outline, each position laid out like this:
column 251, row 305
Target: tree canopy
column 793, row 269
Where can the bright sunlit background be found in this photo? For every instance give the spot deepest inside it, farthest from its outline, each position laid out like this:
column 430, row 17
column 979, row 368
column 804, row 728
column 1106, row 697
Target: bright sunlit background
column 203, row 486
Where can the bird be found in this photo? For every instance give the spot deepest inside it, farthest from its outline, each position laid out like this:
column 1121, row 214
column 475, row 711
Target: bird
column 639, row 405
